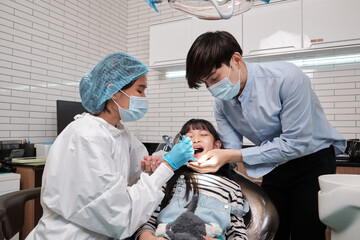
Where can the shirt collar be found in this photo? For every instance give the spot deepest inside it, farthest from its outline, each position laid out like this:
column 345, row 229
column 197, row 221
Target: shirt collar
column 249, row 82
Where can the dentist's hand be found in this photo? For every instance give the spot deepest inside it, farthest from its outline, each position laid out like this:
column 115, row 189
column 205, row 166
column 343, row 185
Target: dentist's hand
column 214, row 159
column 150, row 163
column 180, row 154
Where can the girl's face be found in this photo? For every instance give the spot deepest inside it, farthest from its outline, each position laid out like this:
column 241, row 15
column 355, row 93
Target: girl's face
column 203, row 141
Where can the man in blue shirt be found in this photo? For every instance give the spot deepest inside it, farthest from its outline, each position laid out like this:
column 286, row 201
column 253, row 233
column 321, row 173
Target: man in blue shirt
column 273, row 105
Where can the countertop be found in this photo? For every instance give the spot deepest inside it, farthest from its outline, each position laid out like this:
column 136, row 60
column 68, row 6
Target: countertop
column 344, row 160
column 32, row 162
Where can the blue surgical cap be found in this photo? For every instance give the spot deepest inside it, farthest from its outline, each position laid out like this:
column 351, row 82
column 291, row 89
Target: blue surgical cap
column 110, row 75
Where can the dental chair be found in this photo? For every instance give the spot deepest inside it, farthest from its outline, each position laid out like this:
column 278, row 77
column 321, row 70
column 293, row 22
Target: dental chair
column 12, row 206
column 262, row 220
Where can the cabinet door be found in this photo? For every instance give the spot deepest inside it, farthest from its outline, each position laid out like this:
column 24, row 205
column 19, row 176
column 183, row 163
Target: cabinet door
column 272, row 28
column 169, row 43
column 232, row 25
column 329, row 23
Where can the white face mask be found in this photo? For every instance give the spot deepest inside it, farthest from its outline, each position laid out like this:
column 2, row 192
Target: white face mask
column 224, row 89
column 137, row 108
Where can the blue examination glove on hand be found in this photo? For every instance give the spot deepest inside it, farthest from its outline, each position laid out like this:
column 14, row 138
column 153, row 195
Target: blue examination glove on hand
column 180, row 154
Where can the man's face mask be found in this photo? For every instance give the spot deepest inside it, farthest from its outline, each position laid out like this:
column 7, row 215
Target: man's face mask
column 224, row 89
column 137, row 108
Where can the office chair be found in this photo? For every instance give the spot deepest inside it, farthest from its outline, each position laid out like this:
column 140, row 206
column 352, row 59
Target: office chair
column 262, row 220
column 12, row 206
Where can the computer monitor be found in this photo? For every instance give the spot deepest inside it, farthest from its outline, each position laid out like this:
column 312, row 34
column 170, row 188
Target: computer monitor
column 66, row 111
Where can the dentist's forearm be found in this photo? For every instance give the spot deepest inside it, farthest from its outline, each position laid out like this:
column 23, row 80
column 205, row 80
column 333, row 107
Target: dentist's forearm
column 168, row 165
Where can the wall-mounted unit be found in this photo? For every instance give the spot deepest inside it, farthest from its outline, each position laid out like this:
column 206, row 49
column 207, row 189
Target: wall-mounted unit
column 331, row 23
column 171, row 41
column 272, row 28
column 169, row 44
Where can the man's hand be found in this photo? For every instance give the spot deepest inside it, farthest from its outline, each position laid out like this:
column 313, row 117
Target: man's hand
column 214, row 159
column 151, row 163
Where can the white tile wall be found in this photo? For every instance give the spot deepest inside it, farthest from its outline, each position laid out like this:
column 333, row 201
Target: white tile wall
column 46, row 46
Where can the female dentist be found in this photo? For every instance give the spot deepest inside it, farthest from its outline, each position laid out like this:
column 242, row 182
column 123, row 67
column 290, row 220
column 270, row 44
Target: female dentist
column 93, row 186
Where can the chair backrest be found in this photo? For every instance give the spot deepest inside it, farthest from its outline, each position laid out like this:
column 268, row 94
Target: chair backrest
column 12, row 210
column 262, row 220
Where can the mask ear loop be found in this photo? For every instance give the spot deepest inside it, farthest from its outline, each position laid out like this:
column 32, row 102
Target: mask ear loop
column 116, row 103
column 229, row 72
column 239, row 73
column 125, row 93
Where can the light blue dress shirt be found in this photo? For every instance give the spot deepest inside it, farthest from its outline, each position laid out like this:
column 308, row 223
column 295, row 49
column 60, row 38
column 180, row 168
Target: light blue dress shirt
column 280, row 113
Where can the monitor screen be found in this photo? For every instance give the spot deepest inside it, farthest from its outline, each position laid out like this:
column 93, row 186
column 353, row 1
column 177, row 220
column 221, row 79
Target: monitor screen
column 66, row 111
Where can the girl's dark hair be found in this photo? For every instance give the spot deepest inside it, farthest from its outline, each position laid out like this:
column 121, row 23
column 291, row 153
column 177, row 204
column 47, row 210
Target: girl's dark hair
column 210, row 50
column 188, row 173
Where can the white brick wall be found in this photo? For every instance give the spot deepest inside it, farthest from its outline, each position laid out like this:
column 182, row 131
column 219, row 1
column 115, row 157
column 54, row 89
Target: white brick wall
column 46, row 46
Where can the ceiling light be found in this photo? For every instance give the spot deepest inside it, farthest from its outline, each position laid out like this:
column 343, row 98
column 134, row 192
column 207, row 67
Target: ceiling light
column 175, row 74
column 320, row 61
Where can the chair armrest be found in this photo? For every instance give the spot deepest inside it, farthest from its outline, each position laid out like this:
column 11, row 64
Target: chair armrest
column 12, row 210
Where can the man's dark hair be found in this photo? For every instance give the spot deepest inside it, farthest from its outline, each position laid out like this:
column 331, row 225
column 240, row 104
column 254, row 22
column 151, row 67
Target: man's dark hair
column 210, row 50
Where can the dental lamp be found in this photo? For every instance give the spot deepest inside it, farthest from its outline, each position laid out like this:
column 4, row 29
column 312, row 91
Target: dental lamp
column 209, row 9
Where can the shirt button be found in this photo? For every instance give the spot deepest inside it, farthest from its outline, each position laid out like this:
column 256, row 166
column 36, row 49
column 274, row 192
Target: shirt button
column 182, row 176
column 226, row 206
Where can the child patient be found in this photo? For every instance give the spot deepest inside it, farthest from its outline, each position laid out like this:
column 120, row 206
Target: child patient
column 220, row 201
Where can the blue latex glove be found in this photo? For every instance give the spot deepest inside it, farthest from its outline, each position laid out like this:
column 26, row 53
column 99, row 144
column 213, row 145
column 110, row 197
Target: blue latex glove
column 180, row 154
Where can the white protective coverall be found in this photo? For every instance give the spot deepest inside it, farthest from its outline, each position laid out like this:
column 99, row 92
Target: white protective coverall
column 91, row 187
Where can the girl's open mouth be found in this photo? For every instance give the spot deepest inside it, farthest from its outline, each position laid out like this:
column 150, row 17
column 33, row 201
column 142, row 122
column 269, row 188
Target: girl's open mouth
column 198, row 150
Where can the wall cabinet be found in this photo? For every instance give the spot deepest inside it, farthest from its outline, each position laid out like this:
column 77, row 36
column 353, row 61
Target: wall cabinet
column 272, row 28
column 232, row 25
column 169, row 43
column 347, row 170
column 329, row 23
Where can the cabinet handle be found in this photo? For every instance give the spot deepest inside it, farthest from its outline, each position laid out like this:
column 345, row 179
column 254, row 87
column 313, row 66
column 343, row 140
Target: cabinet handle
column 271, row 50
column 169, row 61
